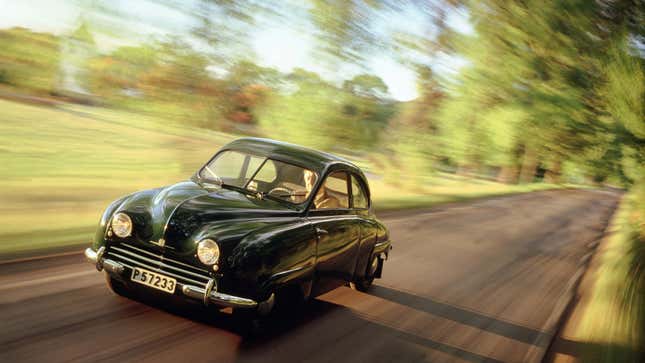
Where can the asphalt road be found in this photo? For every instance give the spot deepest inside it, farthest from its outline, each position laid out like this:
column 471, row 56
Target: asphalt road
column 467, row 282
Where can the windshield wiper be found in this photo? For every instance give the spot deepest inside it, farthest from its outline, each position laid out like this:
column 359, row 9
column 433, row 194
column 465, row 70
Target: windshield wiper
column 241, row 190
column 291, row 194
column 236, row 188
column 276, row 199
column 219, row 183
column 216, row 178
column 206, row 184
column 259, row 195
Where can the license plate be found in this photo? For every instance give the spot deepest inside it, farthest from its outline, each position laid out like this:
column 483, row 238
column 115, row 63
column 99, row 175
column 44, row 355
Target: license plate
column 154, row 280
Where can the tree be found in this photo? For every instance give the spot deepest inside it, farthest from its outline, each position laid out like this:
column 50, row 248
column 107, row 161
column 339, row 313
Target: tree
column 303, row 114
column 29, row 61
column 543, row 60
column 364, row 112
column 344, row 35
column 366, row 85
column 123, row 70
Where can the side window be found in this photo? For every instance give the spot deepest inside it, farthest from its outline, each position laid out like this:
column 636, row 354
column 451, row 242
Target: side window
column 359, row 197
column 333, row 192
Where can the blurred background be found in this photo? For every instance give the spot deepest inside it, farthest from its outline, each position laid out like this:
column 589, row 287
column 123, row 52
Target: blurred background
column 436, row 100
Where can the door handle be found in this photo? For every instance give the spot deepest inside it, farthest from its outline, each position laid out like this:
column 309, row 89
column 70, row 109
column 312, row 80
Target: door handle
column 321, row 231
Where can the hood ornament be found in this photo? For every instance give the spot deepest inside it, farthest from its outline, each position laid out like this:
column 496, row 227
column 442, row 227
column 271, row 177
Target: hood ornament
column 160, row 243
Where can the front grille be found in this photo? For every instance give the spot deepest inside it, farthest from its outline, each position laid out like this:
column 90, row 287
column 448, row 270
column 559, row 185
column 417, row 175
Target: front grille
column 132, row 256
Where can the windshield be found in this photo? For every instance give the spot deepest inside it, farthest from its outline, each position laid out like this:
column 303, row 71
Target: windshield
column 274, row 179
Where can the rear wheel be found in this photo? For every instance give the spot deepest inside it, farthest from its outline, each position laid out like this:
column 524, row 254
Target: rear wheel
column 364, row 283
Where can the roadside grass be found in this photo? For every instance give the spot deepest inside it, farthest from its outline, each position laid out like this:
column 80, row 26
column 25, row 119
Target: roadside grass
column 612, row 326
column 62, row 166
column 389, row 198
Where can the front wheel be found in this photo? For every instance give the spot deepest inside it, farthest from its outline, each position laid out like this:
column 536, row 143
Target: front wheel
column 249, row 321
column 116, row 286
column 263, row 309
column 364, row 283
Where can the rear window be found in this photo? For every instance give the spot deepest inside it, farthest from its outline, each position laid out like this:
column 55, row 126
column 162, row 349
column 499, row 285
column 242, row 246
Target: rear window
column 333, row 193
column 359, row 197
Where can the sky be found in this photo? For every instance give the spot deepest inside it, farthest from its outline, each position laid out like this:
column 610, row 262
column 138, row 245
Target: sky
column 274, row 44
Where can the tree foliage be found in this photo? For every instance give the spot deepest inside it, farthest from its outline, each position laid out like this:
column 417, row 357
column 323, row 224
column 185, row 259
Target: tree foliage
column 550, row 89
column 29, row 60
column 541, row 69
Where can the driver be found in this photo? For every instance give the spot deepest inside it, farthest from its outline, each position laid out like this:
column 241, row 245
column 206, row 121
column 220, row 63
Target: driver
column 322, row 199
column 310, row 180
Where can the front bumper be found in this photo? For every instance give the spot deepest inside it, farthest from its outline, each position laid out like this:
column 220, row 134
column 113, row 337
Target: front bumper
column 208, row 295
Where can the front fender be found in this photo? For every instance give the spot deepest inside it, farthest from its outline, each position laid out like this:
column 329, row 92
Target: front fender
column 99, row 235
column 273, row 256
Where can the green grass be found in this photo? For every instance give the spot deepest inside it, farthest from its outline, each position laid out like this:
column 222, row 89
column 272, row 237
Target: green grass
column 452, row 191
column 63, row 166
column 612, row 326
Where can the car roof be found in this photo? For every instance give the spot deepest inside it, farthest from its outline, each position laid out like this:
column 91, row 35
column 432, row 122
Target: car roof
column 290, row 153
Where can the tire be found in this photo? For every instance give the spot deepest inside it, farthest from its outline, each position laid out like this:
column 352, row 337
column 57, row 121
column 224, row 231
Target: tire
column 364, row 283
column 289, row 300
column 246, row 322
column 117, row 287
column 243, row 315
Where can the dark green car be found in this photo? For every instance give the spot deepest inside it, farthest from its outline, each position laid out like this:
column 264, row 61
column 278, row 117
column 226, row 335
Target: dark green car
column 261, row 219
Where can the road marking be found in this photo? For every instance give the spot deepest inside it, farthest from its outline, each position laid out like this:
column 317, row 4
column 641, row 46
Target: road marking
column 412, row 217
column 44, row 280
column 584, row 259
column 41, row 257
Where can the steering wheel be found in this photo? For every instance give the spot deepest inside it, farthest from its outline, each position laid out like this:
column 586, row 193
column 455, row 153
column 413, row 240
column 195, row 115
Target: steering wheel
column 280, row 189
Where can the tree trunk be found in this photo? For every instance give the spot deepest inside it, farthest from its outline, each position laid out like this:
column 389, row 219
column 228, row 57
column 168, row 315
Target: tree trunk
column 529, row 163
column 507, row 174
column 466, row 170
column 553, row 174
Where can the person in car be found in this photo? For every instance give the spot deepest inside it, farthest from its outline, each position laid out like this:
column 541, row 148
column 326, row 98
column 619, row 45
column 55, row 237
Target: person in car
column 323, row 199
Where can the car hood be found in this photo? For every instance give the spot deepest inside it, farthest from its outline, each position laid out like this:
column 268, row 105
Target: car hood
column 176, row 212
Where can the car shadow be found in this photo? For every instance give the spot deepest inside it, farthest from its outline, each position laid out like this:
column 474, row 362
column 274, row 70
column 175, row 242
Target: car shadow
column 340, row 334
column 275, row 324
column 594, row 351
column 463, row 316
column 332, row 331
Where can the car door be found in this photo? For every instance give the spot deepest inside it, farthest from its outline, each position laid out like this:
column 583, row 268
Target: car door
column 337, row 231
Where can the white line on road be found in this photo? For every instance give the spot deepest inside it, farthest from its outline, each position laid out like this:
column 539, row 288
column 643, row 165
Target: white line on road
column 44, row 280
column 40, row 257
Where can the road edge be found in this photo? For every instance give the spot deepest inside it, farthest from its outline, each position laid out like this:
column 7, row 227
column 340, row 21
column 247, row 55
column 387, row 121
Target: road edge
column 553, row 325
column 77, row 248
column 69, row 250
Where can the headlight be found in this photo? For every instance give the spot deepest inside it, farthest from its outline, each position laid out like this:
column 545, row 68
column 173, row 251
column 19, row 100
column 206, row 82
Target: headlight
column 208, row 251
column 122, row 225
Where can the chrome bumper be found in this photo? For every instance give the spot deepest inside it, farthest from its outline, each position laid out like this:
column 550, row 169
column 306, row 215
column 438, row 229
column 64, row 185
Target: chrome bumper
column 96, row 257
column 217, row 298
column 207, row 295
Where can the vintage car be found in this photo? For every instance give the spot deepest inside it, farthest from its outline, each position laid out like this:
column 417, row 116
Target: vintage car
column 261, row 220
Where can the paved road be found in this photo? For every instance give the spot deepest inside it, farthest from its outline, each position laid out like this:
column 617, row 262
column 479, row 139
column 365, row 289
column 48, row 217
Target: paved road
column 468, row 282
